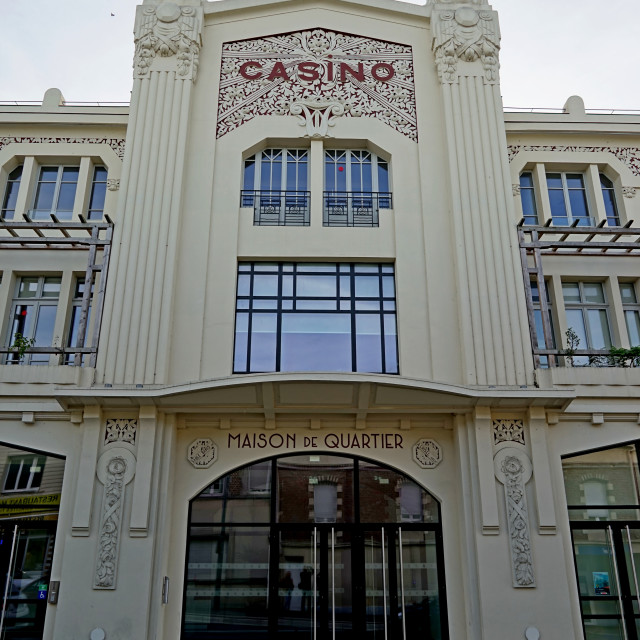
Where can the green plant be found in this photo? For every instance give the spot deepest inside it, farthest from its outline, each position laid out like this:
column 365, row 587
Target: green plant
column 573, row 342
column 621, row 357
column 21, row 344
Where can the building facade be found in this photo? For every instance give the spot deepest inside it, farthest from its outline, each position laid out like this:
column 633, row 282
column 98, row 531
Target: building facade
column 314, row 339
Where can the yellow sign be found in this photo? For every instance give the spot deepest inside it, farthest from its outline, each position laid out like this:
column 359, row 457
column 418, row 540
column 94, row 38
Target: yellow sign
column 27, row 504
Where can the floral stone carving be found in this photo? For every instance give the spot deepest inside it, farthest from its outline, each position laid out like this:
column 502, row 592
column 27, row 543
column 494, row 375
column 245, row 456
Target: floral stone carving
column 270, row 76
column 467, row 35
column 202, row 453
column 508, row 431
column 168, row 31
column 513, row 469
column 115, row 470
column 427, row 454
column 121, row 430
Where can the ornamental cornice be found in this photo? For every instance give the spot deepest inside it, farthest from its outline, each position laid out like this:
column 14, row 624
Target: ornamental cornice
column 465, row 33
column 117, row 144
column 168, row 38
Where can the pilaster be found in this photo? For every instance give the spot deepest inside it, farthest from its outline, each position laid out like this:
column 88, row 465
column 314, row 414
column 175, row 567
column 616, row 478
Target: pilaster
column 167, row 38
column 466, row 42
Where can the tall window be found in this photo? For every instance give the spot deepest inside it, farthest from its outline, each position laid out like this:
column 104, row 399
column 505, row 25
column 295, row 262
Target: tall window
column 587, row 315
column 537, row 316
column 568, row 199
column 528, row 197
column 33, row 315
column 609, row 196
column 631, row 312
column 55, row 193
column 24, row 472
column 98, row 192
column 315, row 317
column 11, row 194
column 74, row 324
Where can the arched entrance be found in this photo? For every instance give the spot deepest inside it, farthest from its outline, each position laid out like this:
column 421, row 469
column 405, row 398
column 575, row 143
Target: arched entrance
column 317, row 547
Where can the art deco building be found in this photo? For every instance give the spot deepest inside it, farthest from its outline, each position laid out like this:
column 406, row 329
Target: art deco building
column 313, row 340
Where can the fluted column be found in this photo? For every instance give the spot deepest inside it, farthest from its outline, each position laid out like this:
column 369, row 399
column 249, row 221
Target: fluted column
column 495, row 342
column 136, row 331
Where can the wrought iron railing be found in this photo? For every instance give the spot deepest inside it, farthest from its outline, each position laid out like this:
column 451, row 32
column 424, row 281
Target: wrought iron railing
column 355, row 208
column 278, row 208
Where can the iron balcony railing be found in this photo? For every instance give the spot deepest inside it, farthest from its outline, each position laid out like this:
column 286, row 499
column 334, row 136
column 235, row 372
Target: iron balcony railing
column 278, row 208
column 355, row 208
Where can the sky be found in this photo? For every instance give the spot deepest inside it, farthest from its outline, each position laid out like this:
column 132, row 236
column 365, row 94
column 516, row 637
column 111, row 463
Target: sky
column 551, row 49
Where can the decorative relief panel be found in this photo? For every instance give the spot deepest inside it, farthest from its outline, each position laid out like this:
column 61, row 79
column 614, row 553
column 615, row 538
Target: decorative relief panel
column 508, row 431
column 427, row 454
column 117, row 144
column 629, row 156
column 115, row 470
column 202, row 453
column 297, row 73
column 168, row 31
column 513, row 469
column 629, row 192
column 113, row 184
column 466, row 35
column 121, row 430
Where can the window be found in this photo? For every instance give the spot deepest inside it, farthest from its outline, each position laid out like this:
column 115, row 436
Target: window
column 315, row 317
column 356, row 187
column 55, row 193
column 11, row 194
column 568, row 199
column 537, row 315
column 609, row 197
column 24, row 473
column 586, row 310
column 74, row 324
column 631, row 312
column 98, row 193
column 528, row 197
column 275, row 185
column 33, row 315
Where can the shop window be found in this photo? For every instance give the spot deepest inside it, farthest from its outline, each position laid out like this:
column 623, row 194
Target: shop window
column 609, row 196
column 568, row 199
column 95, row 210
column 587, row 315
column 11, row 194
column 315, row 317
column 33, row 316
column 528, row 198
column 55, row 193
column 275, row 185
column 23, row 473
column 356, row 188
column 631, row 312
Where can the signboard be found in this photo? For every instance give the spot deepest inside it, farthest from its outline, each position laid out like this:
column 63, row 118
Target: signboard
column 19, row 505
column 291, row 441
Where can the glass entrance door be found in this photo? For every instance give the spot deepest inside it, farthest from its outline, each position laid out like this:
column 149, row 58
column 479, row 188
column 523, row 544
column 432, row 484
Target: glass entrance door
column 25, row 567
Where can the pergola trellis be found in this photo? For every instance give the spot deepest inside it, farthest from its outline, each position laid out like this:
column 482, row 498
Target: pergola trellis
column 538, row 241
column 95, row 237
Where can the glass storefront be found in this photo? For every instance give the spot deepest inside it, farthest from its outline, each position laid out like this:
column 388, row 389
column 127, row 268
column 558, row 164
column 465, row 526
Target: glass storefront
column 314, row 547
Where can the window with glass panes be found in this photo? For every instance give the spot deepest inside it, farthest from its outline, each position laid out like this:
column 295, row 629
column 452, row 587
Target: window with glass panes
column 33, row 316
column 587, row 314
column 74, row 322
column 23, row 473
column 55, row 193
column 537, row 316
column 315, row 317
column 631, row 312
column 11, row 194
column 568, row 199
column 356, row 171
column 609, row 196
column 275, row 170
column 528, row 198
column 95, row 210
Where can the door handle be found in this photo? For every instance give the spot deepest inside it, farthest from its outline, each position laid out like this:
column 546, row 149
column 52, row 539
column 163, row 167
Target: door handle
column 404, row 626
column 333, row 584
column 315, row 582
column 384, row 586
column 615, row 571
column 633, row 566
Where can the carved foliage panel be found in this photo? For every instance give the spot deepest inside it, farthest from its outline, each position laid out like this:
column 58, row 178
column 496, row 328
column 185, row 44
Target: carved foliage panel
column 117, row 144
column 309, row 68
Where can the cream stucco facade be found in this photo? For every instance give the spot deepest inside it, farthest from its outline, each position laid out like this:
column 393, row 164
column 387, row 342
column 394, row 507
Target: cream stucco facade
column 305, row 247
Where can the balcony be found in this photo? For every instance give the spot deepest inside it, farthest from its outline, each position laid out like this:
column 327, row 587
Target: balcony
column 354, row 209
column 277, row 208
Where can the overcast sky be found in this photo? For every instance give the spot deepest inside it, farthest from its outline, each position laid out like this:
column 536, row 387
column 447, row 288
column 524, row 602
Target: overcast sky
column 551, row 49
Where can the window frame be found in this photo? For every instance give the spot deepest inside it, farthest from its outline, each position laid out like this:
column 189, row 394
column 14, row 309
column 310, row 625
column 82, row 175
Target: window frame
column 566, row 190
column 36, row 459
column 36, row 213
column 630, row 308
column 9, row 184
column 584, row 307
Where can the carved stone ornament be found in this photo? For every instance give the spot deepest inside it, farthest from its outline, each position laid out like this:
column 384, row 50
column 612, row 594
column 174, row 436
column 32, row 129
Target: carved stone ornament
column 117, row 144
column 279, row 75
column 317, row 115
column 513, row 469
column 516, row 189
column 427, row 454
column 629, row 156
column 113, row 184
column 115, row 470
column 629, row 192
column 121, row 430
column 508, row 431
column 168, row 31
column 466, row 35
column 202, row 453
